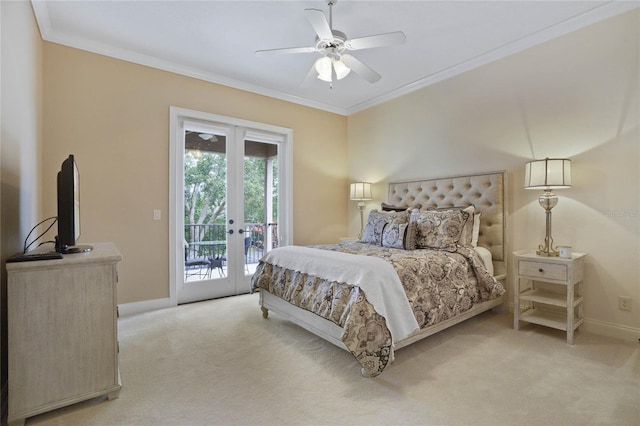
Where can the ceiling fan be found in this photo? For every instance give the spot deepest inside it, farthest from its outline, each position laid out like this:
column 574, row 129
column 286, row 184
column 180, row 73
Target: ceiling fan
column 332, row 44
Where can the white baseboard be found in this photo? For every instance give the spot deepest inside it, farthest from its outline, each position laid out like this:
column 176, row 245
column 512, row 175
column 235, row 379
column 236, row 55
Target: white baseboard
column 603, row 328
column 608, row 329
column 132, row 308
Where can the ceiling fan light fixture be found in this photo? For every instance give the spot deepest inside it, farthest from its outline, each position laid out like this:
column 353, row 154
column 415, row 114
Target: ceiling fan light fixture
column 208, row 137
column 332, row 44
column 323, row 67
column 341, row 69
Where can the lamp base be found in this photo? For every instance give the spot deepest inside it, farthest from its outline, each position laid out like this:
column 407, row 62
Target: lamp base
column 361, row 209
column 551, row 253
column 548, row 201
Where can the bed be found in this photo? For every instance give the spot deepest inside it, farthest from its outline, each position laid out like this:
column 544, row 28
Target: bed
column 419, row 268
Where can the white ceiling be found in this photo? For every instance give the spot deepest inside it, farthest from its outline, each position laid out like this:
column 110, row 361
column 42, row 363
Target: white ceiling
column 216, row 40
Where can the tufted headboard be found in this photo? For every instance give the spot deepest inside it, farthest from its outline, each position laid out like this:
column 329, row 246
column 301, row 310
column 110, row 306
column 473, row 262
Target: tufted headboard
column 485, row 191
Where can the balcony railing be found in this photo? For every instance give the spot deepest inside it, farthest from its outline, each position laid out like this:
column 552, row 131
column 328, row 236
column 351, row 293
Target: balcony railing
column 209, row 240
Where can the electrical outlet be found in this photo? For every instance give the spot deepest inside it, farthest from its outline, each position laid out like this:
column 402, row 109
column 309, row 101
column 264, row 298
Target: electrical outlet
column 624, row 303
column 157, row 215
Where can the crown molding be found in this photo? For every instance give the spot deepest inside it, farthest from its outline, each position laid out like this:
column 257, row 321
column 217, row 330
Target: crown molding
column 596, row 14
column 41, row 12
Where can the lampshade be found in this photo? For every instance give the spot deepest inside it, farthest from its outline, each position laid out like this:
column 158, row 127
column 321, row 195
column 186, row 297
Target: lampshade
column 550, row 173
column 323, row 67
column 360, row 191
column 341, row 69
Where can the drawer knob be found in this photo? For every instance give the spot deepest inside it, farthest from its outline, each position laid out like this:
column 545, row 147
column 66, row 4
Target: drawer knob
column 540, row 270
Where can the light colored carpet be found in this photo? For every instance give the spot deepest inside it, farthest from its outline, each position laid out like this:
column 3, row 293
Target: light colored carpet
column 220, row 362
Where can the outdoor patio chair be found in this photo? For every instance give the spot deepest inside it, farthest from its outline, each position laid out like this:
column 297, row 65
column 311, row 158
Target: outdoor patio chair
column 217, row 263
column 195, row 265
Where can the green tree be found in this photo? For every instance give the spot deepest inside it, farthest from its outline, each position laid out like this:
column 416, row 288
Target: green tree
column 204, row 188
column 254, row 189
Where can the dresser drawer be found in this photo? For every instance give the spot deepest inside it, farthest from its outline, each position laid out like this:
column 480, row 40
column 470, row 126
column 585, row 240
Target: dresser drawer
column 541, row 271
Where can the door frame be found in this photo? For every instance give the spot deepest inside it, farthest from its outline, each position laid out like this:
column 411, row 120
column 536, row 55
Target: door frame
column 284, row 138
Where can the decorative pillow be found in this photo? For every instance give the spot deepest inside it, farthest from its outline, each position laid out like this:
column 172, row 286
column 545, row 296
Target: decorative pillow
column 439, row 229
column 467, row 231
column 410, row 236
column 389, row 208
column 394, row 235
column 377, row 220
column 476, row 230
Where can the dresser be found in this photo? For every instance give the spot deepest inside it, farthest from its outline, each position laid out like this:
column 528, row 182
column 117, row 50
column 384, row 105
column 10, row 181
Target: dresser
column 548, row 291
column 62, row 331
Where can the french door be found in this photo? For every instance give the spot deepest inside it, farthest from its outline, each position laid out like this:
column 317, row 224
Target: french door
column 229, row 202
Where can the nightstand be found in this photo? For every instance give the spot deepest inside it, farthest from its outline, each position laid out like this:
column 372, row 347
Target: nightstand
column 558, row 305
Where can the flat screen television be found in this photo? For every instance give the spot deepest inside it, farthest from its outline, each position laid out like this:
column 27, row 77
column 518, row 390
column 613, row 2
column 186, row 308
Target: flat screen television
column 69, row 208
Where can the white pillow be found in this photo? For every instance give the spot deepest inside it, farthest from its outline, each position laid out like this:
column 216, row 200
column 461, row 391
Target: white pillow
column 476, row 230
column 485, row 255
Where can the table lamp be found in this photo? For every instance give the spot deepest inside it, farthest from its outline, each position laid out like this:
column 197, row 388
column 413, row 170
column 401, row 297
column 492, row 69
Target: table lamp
column 548, row 174
column 360, row 191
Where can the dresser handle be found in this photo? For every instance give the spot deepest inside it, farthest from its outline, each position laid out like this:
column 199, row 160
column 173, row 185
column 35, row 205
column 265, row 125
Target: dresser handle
column 540, row 270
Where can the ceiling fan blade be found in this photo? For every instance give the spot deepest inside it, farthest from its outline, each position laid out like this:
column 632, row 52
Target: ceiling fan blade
column 378, row 40
column 286, row 50
column 361, row 69
column 319, row 23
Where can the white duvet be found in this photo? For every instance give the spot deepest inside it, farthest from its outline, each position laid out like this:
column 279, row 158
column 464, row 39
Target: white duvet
column 373, row 275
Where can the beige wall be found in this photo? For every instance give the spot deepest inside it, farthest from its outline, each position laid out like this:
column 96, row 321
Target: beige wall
column 576, row 97
column 21, row 123
column 114, row 117
column 20, row 140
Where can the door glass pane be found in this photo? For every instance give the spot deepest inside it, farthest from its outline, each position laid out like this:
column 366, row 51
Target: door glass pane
column 260, row 201
column 205, row 195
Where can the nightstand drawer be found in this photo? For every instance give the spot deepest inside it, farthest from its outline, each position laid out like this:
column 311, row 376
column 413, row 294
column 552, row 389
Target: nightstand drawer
column 540, row 270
